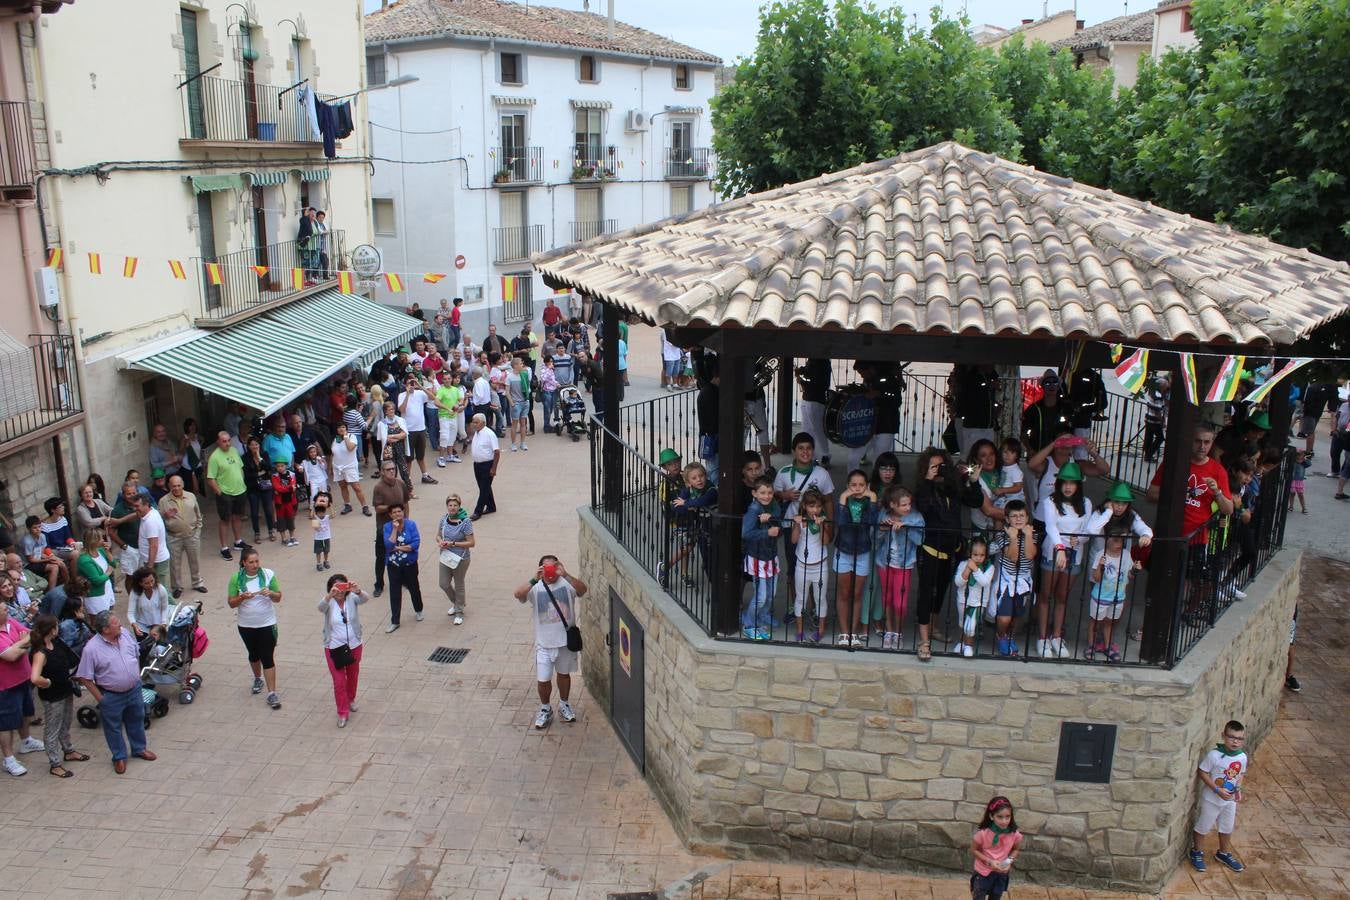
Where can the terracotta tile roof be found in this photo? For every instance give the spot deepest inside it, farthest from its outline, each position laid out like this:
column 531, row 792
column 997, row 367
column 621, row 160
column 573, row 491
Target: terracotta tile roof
column 1137, row 29
column 1009, row 32
column 516, row 21
column 947, row 239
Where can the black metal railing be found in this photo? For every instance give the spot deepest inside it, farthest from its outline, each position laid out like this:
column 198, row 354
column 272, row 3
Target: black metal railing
column 18, row 160
column 584, row 231
column 689, row 162
column 518, row 165
column 515, row 243
column 244, row 287
column 222, row 109
column 38, row 386
column 590, row 163
column 1050, row 615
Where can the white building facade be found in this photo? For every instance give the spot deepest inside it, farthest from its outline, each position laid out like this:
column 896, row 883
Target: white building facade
column 519, row 143
column 178, row 136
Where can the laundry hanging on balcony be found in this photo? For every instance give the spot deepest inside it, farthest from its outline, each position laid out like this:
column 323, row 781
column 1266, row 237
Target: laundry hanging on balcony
column 307, row 103
column 335, row 123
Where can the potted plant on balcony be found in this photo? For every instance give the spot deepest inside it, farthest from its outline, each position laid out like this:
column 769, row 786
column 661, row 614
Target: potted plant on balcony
column 607, row 174
column 581, row 172
column 700, row 171
column 503, row 176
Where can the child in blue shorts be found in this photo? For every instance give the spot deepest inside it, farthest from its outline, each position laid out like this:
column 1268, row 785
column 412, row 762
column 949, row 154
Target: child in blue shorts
column 855, row 518
column 1015, row 549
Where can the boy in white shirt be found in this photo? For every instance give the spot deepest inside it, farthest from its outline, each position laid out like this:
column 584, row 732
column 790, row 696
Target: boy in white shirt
column 1221, row 773
column 1011, row 480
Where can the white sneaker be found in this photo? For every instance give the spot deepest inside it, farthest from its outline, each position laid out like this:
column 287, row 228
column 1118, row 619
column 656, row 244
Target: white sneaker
column 31, row 745
column 14, row 767
column 391, row 628
column 1043, row 648
column 544, row 717
column 524, row 446
column 455, row 459
column 453, row 610
column 514, row 448
column 440, row 461
column 967, row 650
column 1238, row 595
column 1060, row 649
column 565, row 711
column 351, row 707
column 418, row 616
column 459, row 620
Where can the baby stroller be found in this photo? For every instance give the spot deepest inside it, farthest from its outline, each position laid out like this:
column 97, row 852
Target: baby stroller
column 166, row 659
column 572, row 408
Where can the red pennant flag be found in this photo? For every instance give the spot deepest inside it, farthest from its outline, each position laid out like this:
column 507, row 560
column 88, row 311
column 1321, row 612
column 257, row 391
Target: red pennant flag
column 394, row 282
column 95, row 264
column 129, row 266
column 176, row 269
column 433, row 277
column 298, row 279
column 345, row 282
column 260, row 270
column 54, row 259
column 213, row 274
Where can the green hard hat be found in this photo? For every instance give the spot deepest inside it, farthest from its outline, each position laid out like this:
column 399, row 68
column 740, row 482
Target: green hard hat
column 1120, row 492
column 1069, row 472
column 1260, row 420
column 668, row 456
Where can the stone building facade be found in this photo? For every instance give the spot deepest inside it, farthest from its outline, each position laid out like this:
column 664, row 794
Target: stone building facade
column 881, row 761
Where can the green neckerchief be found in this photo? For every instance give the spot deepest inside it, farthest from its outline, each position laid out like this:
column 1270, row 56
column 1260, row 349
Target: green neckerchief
column 805, row 473
column 695, row 492
column 1226, row 752
column 811, row 525
column 855, row 507
column 998, row 832
column 984, row 566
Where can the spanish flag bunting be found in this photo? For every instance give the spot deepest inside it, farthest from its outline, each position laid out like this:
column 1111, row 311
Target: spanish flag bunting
column 345, row 282
column 54, row 258
column 508, row 288
column 261, row 270
column 213, row 274
column 561, row 291
column 1225, row 386
column 394, row 282
column 177, row 270
column 298, row 279
column 95, row 264
column 129, row 266
column 433, row 277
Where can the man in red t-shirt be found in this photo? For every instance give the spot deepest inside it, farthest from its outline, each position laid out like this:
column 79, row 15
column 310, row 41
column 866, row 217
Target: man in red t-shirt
column 1206, row 485
column 553, row 316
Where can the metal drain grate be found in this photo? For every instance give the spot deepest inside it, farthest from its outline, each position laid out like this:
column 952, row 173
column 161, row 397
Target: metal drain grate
column 448, row 655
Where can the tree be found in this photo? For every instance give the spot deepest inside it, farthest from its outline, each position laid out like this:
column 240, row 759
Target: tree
column 1066, row 116
column 829, row 88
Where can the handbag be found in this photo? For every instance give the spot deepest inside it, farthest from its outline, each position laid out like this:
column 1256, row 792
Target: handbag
column 450, row 559
column 573, row 632
column 342, row 656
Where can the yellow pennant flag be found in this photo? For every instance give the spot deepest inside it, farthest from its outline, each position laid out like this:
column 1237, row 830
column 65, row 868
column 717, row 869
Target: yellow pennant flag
column 508, row 288
column 129, row 266
column 213, row 274
column 433, row 277
column 394, row 282
column 345, row 282
column 260, row 270
column 298, row 279
column 176, row 269
column 54, row 258
column 95, row 264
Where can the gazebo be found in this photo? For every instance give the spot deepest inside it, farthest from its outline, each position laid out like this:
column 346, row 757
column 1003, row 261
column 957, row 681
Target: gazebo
column 947, row 254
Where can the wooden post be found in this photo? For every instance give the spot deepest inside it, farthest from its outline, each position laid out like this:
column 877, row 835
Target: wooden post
column 728, row 586
column 613, row 452
column 783, row 419
column 1268, row 511
column 1166, row 568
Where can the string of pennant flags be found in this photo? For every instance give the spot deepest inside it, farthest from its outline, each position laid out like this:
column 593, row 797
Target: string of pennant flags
column 1132, row 373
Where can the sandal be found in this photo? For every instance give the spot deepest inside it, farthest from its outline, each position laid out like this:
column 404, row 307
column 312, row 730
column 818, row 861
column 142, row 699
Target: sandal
column 76, row 756
column 63, row 773
column 925, row 651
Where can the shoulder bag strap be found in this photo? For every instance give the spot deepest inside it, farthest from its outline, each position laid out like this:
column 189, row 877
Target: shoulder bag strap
column 554, row 601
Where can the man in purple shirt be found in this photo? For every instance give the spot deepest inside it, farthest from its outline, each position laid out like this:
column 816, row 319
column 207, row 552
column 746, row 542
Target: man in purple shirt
column 110, row 670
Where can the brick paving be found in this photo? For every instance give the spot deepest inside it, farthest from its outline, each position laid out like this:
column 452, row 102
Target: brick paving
column 440, row 787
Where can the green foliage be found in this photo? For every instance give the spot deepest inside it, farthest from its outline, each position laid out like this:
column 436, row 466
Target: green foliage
column 832, row 87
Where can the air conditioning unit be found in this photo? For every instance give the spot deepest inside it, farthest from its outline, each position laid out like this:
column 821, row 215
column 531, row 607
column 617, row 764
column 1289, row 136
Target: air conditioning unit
column 637, row 120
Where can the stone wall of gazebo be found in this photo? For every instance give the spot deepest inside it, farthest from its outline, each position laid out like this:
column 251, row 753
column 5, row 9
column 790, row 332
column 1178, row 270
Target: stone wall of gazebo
column 878, row 760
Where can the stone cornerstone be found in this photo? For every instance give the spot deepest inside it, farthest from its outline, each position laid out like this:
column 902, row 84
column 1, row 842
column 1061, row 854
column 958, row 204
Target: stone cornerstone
column 881, row 761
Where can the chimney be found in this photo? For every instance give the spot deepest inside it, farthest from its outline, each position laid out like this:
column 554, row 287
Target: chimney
column 1078, row 25
column 610, row 32
column 1027, row 21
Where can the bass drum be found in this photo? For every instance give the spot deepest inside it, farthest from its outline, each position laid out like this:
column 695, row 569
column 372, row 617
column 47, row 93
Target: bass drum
column 850, row 416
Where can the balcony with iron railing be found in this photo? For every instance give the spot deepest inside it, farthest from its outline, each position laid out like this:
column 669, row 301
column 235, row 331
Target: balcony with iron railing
column 516, row 243
column 18, row 160
column 591, row 163
column 584, row 231
column 39, row 391
column 518, row 165
column 222, row 111
column 258, row 278
column 689, row 162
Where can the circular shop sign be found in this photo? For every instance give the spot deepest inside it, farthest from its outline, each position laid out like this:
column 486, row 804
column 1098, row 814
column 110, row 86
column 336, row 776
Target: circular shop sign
column 460, row 261
column 366, row 260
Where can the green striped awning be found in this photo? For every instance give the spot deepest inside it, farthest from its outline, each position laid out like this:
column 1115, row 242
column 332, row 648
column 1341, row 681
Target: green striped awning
column 269, row 360
column 314, row 174
column 202, row 184
column 278, row 176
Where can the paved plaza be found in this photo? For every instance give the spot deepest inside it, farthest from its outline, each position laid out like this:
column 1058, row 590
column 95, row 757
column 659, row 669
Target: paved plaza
column 440, row 787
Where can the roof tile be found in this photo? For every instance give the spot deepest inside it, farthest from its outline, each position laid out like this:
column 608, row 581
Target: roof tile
column 947, row 239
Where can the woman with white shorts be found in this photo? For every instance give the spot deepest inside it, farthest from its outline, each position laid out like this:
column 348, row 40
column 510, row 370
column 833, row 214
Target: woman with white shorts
column 345, row 456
